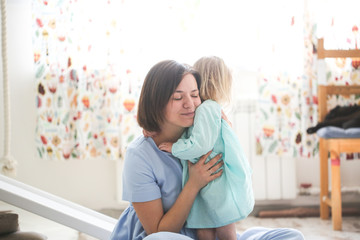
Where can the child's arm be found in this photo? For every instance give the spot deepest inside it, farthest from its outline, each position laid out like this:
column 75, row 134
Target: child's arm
column 206, row 130
column 166, row 146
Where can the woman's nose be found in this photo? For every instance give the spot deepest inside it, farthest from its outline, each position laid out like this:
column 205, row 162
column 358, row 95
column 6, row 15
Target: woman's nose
column 188, row 102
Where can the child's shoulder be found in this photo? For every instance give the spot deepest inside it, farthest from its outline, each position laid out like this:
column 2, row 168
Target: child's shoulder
column 209, row 105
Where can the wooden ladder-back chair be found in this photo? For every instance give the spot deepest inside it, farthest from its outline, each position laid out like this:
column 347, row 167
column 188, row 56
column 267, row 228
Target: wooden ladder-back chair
column 334, row 146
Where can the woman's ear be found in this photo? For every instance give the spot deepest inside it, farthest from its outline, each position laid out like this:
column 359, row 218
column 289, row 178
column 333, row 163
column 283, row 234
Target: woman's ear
column 149, row 134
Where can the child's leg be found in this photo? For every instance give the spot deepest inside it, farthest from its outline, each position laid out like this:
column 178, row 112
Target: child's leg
column 227, row 232
column 206, row 234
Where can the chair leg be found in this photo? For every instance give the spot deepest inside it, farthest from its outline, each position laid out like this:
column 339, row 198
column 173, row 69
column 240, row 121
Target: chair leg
column 336, row 210
column 324, row 179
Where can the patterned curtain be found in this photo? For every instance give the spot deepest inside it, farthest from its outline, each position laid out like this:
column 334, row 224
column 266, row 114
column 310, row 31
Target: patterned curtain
column 285, row 91
column 90, row 59
column 339, row 27
column 288, row 86
column 91, row 56
column 87, row 87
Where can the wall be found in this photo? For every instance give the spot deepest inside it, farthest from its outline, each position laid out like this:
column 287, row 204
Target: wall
column 90, row 183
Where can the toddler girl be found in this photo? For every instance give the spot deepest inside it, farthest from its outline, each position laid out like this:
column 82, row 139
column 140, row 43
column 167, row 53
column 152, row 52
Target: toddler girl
column 228, row 198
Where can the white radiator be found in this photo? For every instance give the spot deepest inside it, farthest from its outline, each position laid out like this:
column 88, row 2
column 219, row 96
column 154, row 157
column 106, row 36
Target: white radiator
column 273, row 177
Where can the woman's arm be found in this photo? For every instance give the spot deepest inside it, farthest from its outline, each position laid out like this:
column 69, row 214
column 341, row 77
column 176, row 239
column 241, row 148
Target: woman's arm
column 151, row 214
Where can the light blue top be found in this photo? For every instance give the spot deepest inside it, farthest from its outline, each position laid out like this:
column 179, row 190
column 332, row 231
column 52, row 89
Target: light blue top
column 228, row 198
column 148, row 174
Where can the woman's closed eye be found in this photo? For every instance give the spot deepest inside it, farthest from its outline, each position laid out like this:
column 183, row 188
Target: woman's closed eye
column 180, row 97
column 177, row 97
column 195, row 94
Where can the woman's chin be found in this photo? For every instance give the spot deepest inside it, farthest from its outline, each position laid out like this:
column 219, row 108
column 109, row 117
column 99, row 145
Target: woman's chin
column 189, row 123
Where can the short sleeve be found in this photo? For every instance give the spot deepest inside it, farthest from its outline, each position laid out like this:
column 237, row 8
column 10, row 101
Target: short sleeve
column 139, row 182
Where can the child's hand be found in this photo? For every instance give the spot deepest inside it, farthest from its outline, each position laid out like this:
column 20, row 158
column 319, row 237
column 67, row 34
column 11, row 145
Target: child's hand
column 149, row 134
column 165, row 146
column 223, row 116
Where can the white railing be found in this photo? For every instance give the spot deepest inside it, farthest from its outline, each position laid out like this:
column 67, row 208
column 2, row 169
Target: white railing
column 55, row 208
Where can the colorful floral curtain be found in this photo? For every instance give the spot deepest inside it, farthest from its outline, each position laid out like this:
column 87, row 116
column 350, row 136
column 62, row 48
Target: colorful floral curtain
column 340, row 29
column 86, row 86
column 90, row 59
column 91, row 56
column 288, row 95
column 285, row 93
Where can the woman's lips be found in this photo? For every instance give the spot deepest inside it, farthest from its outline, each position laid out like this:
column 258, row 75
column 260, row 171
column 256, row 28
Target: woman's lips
column 190, row 114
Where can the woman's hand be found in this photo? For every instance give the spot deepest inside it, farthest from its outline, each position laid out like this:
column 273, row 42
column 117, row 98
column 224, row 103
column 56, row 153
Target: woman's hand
column 151, row 213
column 201, row 173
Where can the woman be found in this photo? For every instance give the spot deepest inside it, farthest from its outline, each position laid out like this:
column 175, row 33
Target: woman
column 152, row 179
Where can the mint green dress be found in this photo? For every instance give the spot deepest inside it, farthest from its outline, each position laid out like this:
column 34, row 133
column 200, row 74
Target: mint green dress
column 228, row 198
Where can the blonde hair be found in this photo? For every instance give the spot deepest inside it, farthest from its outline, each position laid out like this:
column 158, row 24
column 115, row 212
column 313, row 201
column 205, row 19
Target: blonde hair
column 216, row 79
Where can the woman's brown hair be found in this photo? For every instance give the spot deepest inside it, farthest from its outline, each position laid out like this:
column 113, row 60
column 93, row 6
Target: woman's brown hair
column 159, row 85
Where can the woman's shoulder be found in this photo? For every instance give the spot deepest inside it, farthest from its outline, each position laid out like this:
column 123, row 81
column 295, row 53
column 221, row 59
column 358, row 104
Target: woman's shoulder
column 137, row 156
column 141, row 145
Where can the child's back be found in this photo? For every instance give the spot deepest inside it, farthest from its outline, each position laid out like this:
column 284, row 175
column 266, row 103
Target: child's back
column 230, row 197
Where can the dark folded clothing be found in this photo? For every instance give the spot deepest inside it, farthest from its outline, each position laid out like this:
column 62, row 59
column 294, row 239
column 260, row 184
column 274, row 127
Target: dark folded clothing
column 341, row 116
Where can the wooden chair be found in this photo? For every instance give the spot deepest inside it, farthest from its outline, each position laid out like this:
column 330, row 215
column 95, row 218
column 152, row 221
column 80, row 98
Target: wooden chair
column 334, row 146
